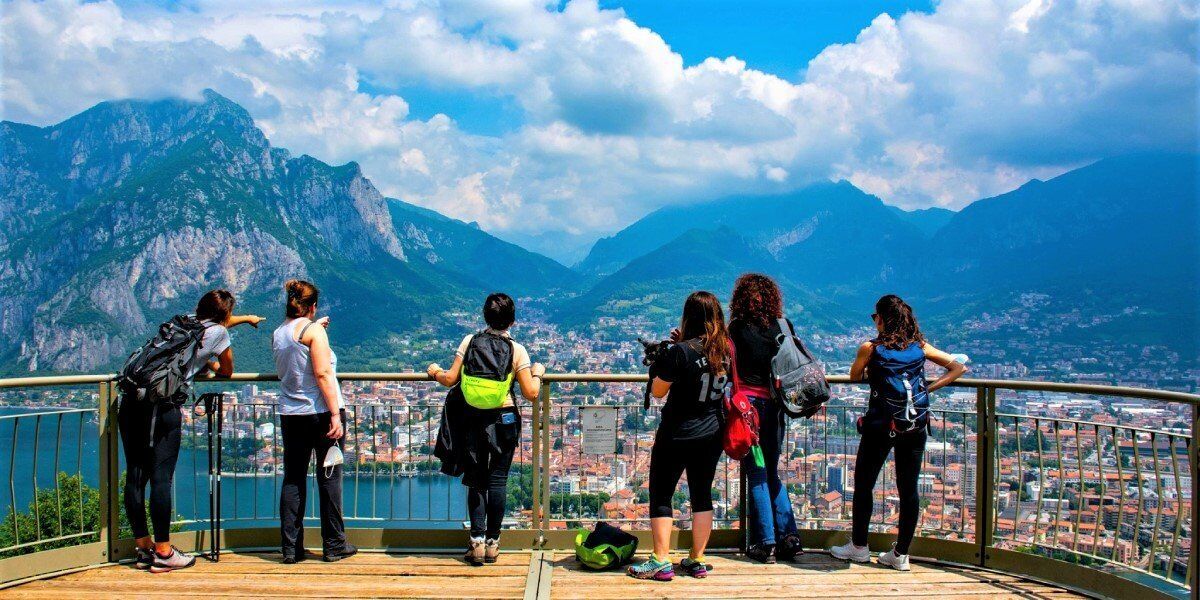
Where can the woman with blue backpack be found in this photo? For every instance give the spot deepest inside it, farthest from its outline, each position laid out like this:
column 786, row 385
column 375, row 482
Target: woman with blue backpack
column 481, row 424
column 897, row 419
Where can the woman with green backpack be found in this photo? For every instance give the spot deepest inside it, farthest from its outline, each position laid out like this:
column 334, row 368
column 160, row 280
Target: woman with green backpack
column 481, row 425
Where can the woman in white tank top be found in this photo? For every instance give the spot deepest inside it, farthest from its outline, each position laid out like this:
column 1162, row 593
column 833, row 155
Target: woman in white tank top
column 311, row 413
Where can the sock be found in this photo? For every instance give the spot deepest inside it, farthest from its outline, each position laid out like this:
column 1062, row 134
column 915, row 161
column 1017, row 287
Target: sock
column 476, row 540
column 492, row 541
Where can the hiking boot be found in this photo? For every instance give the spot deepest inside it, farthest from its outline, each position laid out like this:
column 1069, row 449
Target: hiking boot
column 763, row 553
column 491, row 550
column 476, row 553
column 849, row 551
column 789, row 548
column 176, row 560
column 894, row 560
column 695, row 568
column 145, row 558
column 652, row 568
column 347, row 551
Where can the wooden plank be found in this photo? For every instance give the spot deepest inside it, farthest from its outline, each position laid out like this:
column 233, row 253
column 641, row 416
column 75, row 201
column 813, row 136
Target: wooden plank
column 323, row 587
column 533, row 575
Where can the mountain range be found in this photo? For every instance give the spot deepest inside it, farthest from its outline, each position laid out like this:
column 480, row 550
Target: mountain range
column 1119, row 236
column 123, row 214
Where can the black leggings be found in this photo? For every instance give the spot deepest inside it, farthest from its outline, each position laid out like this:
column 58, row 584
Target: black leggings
column 491, row 443
column 486, row 500
column 302, row 436
column 872, row 453
column 671, row 458
column 145, row 464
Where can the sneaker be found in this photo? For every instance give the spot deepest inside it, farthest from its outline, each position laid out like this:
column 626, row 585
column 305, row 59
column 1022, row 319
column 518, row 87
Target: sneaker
column 789, row 548
column 896, row 561
column 347, row 551
column 849, row 551
column 476, row 553
column 695, row 568
column 652, row 568
column 491, row 550
column 145, row 558
column 763, row 553
column 176, row 560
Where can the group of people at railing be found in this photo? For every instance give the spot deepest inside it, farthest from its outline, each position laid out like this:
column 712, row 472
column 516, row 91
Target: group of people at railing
column 481, row 424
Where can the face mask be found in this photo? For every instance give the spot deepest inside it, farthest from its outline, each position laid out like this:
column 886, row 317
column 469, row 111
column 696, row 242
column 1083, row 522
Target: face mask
column 333, row 458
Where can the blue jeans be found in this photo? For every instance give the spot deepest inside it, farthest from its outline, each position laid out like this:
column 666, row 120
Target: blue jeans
column 771, row 516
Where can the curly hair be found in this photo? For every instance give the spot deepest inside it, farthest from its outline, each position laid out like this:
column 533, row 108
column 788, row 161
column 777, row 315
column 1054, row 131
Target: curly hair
column 756, row 299
column 900, row 329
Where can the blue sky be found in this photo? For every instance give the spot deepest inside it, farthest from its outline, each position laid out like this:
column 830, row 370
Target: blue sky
column 552, row 124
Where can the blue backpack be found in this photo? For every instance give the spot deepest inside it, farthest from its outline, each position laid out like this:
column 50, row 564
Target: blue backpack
column 898, row 391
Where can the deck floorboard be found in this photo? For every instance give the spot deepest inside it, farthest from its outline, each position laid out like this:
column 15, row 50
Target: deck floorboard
column 378, row 575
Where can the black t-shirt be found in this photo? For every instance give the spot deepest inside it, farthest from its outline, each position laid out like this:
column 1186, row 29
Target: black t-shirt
column 755, row 346
column 694, row 404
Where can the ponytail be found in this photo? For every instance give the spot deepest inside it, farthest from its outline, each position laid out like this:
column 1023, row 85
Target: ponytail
column 301, row 297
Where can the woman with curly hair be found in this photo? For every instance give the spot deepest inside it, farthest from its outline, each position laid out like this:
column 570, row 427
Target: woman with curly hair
column 896, row 420
column 754, row 313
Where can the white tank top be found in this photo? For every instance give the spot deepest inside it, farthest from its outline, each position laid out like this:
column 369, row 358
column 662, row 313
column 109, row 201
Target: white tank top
column 299, row 393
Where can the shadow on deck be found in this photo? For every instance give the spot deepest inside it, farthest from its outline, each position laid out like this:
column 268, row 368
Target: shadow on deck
column 525, row 575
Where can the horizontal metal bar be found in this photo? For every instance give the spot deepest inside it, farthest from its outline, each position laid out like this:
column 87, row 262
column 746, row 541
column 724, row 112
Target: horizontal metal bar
column 52, row 411
column 1037, row 386
column 58, row 380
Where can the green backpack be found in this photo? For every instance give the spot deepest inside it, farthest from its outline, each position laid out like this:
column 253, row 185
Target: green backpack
column 605, row 547
column 487, row 376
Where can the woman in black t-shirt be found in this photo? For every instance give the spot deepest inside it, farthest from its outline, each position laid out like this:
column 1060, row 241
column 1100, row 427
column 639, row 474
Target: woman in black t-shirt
column 754, row 312
column 692, row 375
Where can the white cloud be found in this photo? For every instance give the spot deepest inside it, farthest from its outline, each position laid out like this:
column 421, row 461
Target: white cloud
column 922, row 109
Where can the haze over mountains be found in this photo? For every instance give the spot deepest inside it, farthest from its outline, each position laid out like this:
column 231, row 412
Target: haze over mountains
column 122, row 215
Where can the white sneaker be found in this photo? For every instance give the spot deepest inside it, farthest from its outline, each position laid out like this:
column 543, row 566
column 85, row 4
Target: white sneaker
column 849, row 551
column 896, row 561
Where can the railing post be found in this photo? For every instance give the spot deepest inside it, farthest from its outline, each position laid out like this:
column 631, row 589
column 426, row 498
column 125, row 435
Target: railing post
column 547, row 448
column 1194, row 464
column 109, row 491
column 540, row 472
column 985, row 457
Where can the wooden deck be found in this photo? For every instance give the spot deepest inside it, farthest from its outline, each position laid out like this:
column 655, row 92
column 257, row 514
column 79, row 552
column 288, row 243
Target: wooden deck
column 528, row 575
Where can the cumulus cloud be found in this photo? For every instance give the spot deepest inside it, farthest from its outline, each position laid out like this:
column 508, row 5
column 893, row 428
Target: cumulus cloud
column 921, row 109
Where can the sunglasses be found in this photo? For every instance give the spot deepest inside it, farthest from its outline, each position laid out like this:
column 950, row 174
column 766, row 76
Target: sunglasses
column 874, row 316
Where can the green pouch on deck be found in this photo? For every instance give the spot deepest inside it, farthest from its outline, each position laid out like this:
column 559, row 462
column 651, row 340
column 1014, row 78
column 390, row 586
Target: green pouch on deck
column 606, row 547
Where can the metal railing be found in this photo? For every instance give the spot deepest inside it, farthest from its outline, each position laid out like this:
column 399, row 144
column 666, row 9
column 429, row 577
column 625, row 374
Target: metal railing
column 1079, row 499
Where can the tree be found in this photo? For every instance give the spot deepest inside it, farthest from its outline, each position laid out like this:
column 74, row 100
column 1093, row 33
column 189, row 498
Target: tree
column 73, row 507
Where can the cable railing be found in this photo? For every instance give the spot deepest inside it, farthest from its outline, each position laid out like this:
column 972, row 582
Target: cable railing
column 1043, row 479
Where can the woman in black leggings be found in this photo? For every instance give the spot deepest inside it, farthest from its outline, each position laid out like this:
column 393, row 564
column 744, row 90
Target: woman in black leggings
column 150, row 436
column 693, row 372
column 896, row 419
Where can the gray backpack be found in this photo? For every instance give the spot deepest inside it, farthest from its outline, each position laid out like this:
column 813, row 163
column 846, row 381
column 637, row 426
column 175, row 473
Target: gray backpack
column 799, row 378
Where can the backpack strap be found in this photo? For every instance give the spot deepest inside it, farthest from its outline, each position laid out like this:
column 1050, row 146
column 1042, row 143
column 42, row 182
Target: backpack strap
column 303, row 330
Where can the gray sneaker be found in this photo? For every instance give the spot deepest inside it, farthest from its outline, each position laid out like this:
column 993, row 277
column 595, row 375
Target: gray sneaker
column 177, row 560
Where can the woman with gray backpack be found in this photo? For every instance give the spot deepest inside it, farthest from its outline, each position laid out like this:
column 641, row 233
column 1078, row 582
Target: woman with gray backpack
column 154, row 384
column 762, row 339
column 897, row 419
